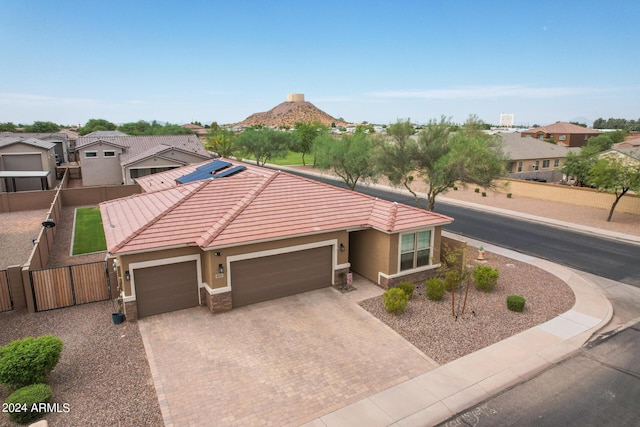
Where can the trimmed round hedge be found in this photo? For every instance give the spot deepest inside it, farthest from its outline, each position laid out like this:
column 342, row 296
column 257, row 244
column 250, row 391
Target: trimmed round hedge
column 23, row 404
column 515, row 303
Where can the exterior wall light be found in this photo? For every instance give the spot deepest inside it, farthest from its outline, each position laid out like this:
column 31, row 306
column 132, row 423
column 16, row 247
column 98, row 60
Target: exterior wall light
column 127, row 276
column 341, row 247
column 220, row 269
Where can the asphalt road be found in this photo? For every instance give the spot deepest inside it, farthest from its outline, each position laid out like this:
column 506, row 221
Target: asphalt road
column 612, row 259
column 599, row 386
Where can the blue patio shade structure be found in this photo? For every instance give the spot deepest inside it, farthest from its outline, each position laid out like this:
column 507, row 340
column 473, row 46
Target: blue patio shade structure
column 204, row 171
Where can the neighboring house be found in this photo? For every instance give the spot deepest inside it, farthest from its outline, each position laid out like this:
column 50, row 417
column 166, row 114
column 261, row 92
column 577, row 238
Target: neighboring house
column 633, row 142
column 629, row 155
column 60, row 139
column 563, row 133
column 530, row 157
column 112, row 160
column 201, row 131
column 234, row 234
column 26, row 164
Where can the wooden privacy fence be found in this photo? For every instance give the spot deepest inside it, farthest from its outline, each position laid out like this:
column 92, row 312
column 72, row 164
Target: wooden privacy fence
column 6, row 303
column 71, row 285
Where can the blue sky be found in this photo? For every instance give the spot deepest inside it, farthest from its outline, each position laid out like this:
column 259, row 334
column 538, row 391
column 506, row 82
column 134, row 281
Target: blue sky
column 376, row 61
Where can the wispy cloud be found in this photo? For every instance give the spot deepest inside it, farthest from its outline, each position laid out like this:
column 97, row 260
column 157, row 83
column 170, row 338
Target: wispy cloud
column 482, row 92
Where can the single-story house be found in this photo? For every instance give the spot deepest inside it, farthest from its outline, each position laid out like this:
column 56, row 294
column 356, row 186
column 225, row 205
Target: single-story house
column 26, row 164
column 562, row 133
column 530, row 157
column 228, row 234
column 113, row 160
column 628, row 155
column 59, row 139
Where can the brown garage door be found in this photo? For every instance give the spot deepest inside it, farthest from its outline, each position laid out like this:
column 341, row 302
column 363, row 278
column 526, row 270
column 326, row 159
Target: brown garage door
column 166, row 288
column 266, row 278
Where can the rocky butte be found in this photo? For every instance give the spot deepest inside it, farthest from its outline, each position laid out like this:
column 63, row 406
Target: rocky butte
column 294, row 109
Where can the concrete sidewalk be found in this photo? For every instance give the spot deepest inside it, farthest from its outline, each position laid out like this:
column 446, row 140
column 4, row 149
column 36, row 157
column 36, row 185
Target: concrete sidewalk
column 437, row 395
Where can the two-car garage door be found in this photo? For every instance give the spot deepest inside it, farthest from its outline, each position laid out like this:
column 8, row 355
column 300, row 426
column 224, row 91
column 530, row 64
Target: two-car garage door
column 269, row 277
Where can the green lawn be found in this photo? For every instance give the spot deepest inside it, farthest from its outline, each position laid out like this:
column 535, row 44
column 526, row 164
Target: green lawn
column 88, row 235
column 291, row 159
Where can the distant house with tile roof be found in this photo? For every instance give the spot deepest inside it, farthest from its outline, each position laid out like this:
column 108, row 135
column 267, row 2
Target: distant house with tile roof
column 533, row 158
column 117, row 159
column 59, row 139
column 562, row 133
column 228, row 240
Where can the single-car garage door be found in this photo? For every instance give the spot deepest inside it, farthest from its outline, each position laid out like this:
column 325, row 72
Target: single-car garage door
column 166, row 288
column 265, row 278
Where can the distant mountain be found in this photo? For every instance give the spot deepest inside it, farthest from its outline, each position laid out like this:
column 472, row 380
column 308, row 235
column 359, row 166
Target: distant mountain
column 290, row 112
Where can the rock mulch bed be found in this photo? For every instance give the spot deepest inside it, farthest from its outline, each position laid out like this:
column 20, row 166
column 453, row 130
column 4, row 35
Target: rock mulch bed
column 431, row 326
column 103, row 372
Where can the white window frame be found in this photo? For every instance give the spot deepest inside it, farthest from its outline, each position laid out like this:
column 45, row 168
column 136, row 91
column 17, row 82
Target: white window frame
column 112, row 153
column 415, row 249
column 562, row 137
column 94, row 154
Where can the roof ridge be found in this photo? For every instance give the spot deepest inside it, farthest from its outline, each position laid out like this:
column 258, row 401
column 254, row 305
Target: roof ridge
column 392, row 216
column 214, row 231
column 161, row 215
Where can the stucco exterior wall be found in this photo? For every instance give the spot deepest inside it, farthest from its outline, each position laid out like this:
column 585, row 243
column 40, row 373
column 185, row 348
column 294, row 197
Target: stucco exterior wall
column 47, row 163
column 170, row 159
column 372, row 251
column 573, row 195
column 100, row 170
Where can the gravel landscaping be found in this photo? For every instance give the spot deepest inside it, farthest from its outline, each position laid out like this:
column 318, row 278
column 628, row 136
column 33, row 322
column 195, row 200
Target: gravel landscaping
column 431, row 326
column 103, row 372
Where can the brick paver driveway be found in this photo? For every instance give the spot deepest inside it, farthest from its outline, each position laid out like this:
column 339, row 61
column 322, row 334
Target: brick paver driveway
column 282, row 362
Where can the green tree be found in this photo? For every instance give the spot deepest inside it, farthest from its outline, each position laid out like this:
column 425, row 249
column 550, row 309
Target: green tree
column 578, row 165
column 7, row 127
column 142, row 127
column 350, row 157
column 42, row 127
column 222, row 142
column 305, row 135
column 94, row 125
column 264, row 144
column 395, row 157
column 445, row 155
column 616, row 175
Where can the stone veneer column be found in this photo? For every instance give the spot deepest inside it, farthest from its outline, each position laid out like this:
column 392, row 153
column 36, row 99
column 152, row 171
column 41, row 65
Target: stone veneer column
column 131, row 310
column 219, row 303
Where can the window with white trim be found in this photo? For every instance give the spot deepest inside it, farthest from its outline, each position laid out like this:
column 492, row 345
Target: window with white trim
column 415, row 250
column 109, row 153
column 562, row 137
column 91, row 154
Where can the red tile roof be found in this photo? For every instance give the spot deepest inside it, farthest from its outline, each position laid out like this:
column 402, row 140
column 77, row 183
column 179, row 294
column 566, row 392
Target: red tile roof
column 248, row 207
column 562, row 127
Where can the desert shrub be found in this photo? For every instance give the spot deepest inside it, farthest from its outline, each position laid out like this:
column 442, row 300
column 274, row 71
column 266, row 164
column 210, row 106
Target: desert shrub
column 407, row 288
column 21, row 402
column 452, row 280
column 29, row 360
column 395, row 300
column 477, row 190
column 485, row 277
column 484, row 194
column 515, row 303
column 435, row 288
column 508, row 195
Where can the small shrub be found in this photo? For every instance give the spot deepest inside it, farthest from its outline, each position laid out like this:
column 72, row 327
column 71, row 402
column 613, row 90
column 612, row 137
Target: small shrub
column 452, row 280
column 484, row 194
column 515, row 303
column 508, row 195
column 477, row 190
column 485, row 277
column 21, row 402
column 435, row 288
column 407, row 288
column 29, row 360
column 455, row 188
column 395, row 300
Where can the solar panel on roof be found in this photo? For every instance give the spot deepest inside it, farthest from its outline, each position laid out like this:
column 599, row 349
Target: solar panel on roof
column 234, row 170
column 204, row 171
